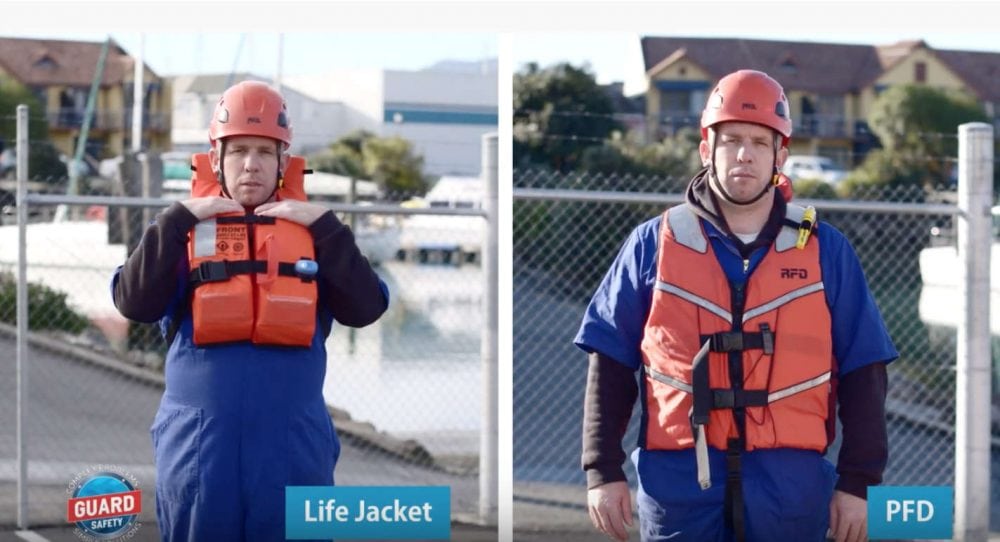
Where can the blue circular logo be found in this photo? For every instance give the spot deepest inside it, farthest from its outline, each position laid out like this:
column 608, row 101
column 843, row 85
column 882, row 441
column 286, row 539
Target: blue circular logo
column 105, row 505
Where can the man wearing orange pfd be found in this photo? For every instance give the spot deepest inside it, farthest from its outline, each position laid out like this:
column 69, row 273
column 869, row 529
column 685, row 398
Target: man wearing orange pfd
column 245, row 278
column 748, row 322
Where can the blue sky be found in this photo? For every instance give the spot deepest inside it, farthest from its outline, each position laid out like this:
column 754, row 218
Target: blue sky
column 413, row 35
column 173, row 53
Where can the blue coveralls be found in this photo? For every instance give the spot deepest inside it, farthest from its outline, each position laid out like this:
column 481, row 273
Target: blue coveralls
column 237, row 424
column 786, row 491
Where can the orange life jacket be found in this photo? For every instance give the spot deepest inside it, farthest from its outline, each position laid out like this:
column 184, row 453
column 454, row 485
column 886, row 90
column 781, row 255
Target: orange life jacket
column 243, row 270
column 697, row 332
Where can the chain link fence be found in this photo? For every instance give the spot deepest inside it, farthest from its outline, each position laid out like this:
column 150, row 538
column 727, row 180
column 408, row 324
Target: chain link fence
column 569, row 227
column 405, row 393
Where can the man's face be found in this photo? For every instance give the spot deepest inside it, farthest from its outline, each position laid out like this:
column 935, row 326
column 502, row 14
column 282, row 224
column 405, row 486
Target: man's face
column 250, row 168
column 744, row 158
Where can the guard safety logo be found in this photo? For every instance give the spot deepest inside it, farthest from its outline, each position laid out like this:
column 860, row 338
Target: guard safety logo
column 105, row 503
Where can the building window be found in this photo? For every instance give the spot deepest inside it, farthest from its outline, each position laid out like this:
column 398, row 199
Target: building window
column 46, row 63
column 920, row 72
column 789, row 66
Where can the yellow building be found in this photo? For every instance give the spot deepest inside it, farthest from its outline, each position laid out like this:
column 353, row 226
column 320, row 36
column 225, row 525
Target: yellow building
column 60, row 73
column 830, row 87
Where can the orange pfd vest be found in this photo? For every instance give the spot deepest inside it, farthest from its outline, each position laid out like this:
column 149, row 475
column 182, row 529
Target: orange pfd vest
column 779, row 343
column 245, row 286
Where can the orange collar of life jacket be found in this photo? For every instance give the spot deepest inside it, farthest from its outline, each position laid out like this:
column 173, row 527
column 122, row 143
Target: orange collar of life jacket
column 204, row 182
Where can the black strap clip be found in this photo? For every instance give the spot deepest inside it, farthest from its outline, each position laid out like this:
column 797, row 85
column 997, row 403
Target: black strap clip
column 211, row 271
column 767, row 338
column 725, row 341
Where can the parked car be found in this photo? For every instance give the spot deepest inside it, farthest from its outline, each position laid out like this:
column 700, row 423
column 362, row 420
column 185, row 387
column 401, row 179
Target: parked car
column 801, row 166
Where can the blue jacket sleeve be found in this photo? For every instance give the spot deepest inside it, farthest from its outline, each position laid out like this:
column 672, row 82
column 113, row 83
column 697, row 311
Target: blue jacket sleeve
column 614, row 320
column 860, row 336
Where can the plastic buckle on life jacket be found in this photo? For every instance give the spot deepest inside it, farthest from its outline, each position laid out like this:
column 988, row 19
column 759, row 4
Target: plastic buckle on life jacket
column 727, row 341
column 767, row 337
column 212, row 271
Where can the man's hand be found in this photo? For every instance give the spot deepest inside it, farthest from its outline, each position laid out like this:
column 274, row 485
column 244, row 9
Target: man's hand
column 848, row 518
column 610, row 508
column 210, row 206
column 300, row 212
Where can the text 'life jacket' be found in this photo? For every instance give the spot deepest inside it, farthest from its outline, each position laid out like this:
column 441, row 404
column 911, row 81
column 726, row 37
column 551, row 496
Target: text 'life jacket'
column 252, row 276
column 760, row 348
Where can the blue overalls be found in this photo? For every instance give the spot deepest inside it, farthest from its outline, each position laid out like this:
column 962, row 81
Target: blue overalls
column 237, row 424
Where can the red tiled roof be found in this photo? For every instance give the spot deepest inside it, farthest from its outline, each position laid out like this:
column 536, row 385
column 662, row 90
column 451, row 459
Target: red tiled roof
column 825, row 68
column 805, row 66
column 889, row 55
column 829, row 68
column 43, row 62
column 981, row 71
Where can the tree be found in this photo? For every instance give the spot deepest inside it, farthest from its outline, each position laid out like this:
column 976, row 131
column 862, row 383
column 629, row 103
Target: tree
column 43, row 157
column 916, row 126
column 559, row 112
column 390, row 162
column 343, row 157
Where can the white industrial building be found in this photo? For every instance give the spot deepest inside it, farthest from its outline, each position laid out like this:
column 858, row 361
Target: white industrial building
column 443, row 110
column 195, row 97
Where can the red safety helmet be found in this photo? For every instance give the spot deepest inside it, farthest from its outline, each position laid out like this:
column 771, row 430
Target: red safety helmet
column 251, row 108
column 748, row 96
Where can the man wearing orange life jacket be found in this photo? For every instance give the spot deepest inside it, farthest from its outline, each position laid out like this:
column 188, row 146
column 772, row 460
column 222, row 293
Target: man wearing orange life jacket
column 245, row 278
column 748, row 322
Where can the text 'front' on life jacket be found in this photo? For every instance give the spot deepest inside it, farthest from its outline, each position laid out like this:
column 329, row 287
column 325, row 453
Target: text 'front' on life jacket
column 252, row 276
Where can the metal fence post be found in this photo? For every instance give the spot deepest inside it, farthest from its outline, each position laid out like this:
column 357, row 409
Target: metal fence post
column 488, row 464
column 22, row 315
column 972, row 409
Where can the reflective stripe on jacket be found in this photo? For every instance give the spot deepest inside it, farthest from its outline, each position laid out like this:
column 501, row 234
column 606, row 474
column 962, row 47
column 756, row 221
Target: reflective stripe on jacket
column 779, row 341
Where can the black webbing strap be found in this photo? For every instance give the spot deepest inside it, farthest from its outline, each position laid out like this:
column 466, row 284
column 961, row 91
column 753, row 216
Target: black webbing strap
column 215, row 271
column 245, row 219
column 734, row 490
column 703, row 399
column 732, row 341
column 730, row 398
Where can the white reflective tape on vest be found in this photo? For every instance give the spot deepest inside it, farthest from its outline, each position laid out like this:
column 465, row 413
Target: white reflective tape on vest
column 771, row 397
column 783, row 300
column 672, row 382
column 697, row 300
column 797, row 388
column 204, row 238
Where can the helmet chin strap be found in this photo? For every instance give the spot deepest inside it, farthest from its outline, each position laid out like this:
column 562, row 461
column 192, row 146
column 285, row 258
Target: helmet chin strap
column 222, row 168
column 714, row 178
column 278, row 182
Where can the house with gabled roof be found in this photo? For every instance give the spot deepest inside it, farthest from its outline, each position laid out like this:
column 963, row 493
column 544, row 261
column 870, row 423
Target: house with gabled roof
column 60, row 72
column 831, row 87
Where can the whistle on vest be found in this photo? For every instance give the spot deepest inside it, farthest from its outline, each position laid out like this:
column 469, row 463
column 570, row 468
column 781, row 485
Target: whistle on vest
column 806, row 227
